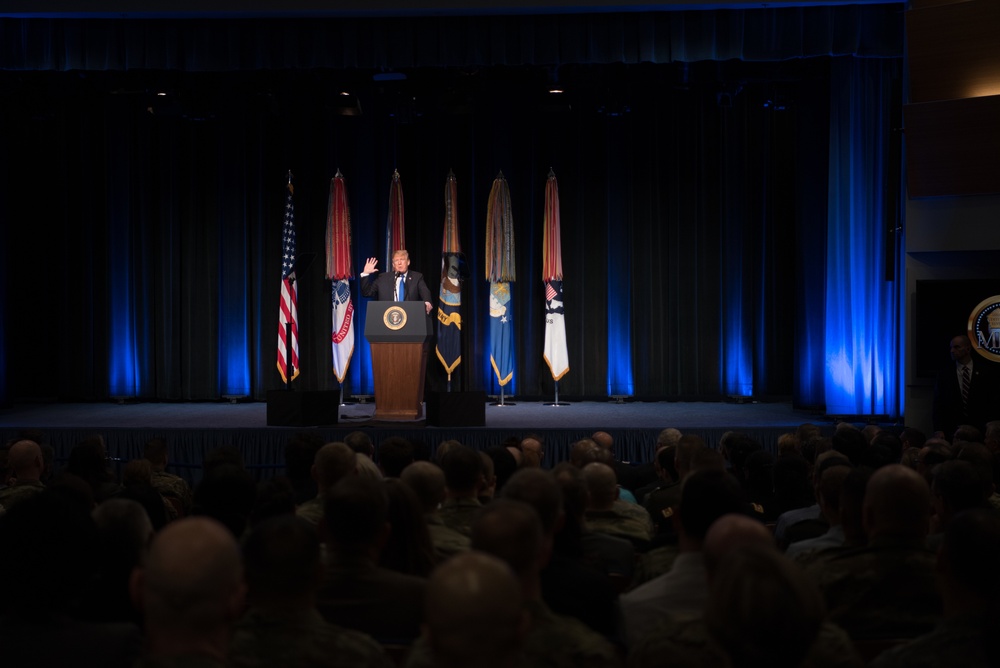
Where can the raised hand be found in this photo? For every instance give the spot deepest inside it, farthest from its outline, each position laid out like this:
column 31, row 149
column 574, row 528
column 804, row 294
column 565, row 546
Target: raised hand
column 370, row 266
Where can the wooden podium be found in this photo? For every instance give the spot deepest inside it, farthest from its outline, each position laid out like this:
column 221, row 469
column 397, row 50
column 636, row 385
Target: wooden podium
column 399, row 334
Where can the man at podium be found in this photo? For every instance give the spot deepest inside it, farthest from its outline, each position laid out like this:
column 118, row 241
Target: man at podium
column 400, row 285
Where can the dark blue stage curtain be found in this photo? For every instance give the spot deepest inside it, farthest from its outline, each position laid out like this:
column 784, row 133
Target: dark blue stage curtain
column 721, row 179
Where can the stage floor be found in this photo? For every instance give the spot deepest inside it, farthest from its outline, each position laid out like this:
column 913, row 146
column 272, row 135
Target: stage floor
column 513, row 415
column 193, row 429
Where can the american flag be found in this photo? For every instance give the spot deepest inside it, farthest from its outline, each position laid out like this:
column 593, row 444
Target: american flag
column 288, row 309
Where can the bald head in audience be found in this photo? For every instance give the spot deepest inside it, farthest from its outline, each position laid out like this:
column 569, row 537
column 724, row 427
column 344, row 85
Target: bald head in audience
column 602, row 484
column 191, row 589
column 24, row 459
column 734, row 531
column 897, row 504
column 474, row 613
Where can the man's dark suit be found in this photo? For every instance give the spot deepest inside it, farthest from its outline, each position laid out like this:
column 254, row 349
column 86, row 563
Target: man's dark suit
column 984, row 398
column 382, row 287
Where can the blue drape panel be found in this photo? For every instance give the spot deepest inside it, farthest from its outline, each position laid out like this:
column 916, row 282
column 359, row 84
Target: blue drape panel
column 863, row 310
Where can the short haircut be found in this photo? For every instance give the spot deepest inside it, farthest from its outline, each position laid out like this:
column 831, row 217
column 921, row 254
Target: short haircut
column 539, row 490
column 360, row 442
column 394, row 454
column 427, row 481
column 705, row 497
column 462, row 468
column 512, row 531
column 356, row 510
column 281, row 556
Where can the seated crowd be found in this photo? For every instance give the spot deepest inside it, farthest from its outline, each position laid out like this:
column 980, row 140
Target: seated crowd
column 863, row 546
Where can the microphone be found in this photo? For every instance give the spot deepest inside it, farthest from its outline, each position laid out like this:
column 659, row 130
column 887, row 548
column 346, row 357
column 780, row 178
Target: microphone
column 399, row 275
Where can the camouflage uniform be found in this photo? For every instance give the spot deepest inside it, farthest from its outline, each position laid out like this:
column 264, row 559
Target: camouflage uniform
column 311, row 510
column 625, row 520
column 886, row 589
column 684, row 640
column 19, row 491
column 446, row 541
column 552, row 641
column 459, row 514
column 175, row 486
column 661, row 504
column 300, row 638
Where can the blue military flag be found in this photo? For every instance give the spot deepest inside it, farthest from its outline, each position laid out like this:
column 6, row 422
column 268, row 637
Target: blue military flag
column 500, row 273
column 449, row 325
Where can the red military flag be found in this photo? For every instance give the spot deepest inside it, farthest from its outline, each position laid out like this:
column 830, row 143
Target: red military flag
column 338, row 270
column 395, row 224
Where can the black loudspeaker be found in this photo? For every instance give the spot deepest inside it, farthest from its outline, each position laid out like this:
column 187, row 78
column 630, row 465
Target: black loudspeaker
column 456, row 409
column 290, row 408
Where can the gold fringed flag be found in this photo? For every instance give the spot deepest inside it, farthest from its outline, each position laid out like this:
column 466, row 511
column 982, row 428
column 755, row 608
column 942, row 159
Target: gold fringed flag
column 288, row 314
column 338, row 270
column 555, row 353
column 449, row 325
column 500, row 273
column 395, row 224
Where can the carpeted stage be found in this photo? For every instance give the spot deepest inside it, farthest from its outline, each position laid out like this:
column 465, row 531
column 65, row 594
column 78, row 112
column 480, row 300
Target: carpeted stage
column 193, row 429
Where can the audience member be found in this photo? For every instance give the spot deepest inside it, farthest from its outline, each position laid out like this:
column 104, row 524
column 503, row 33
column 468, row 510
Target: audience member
column 885, row 589
column 504, row 466
column 512, row 531
column 394, row 454
column 333, row 461
column 614, row 557
column 463, row 476
column 569, row 586
column 705, row 497
column 124, row 534
column 89, row 461
column 25, row 465
column 282, row 626
column 475, row 615
column 608, row 514
column 488, row 487
column 408, row 549
column 970, row 591
column 49, row 556
column 173, row 487
column 300, row 453
column 191, row 592
column 828, row 487
column 955, row 487
column 227, row 494
column 137, row 485
column 427, row 482
column 532, row 450
column 358, row 593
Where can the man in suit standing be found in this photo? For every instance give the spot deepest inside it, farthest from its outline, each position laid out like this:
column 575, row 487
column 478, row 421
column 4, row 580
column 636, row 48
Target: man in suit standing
column 401, row 285
column 967, row 391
